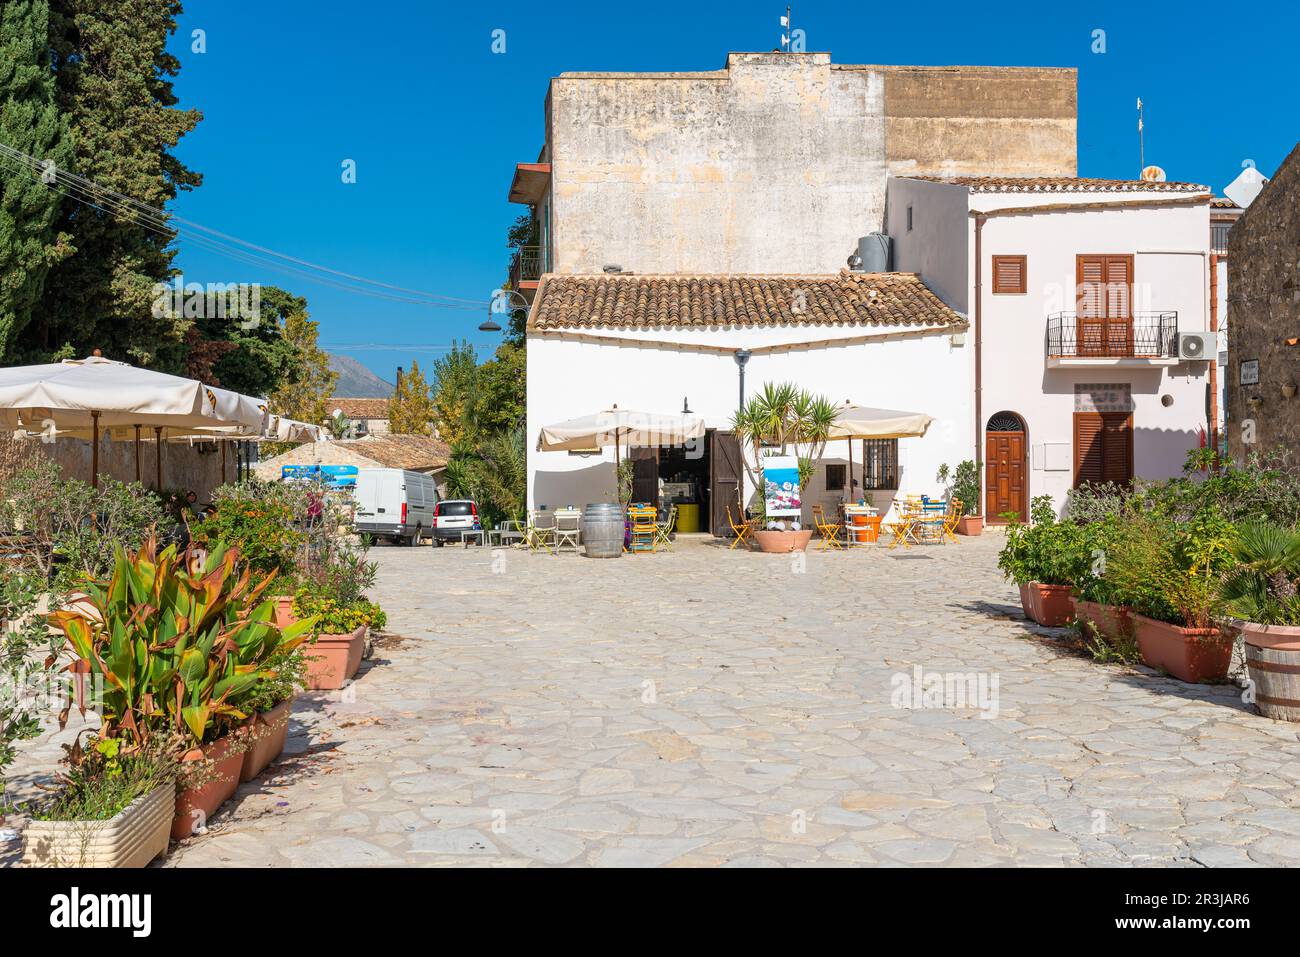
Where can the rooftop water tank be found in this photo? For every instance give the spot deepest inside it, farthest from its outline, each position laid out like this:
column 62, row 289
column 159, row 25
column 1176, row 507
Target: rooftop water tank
column 876, row 253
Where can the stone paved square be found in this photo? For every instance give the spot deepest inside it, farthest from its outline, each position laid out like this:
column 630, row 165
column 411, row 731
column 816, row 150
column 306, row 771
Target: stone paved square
column 725, row 708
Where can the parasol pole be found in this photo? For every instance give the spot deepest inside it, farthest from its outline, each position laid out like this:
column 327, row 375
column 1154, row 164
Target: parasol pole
column 138, row 479
column 94, row 450
column 157, row 431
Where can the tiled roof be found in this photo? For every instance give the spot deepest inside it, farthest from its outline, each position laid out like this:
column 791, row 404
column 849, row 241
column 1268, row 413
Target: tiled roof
column 360, row 408
column 1222, row 202
column 1061, row 184
column 418, row 453
column 874, row 299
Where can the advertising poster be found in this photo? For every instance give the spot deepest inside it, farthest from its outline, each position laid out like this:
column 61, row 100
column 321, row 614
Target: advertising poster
column 781, row 482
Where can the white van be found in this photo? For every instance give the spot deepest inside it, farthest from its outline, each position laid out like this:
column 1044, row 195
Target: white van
column 395, row 504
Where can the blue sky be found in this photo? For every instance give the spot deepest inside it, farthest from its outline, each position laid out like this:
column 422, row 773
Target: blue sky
column 435, row 121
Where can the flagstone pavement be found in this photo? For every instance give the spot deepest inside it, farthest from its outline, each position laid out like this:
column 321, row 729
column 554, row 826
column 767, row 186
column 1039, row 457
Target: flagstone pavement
column 716, row 707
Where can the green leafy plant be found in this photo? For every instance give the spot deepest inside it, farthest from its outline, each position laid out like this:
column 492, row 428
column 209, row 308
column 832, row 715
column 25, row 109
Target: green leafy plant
column 963, row 484
column 1264, row 584
column 103, row 779
column 283, row 677
column 790, row 421
column 1047, row 551
column 333, row 617
column 173, row 642
column 19, row 592
column 263, row 520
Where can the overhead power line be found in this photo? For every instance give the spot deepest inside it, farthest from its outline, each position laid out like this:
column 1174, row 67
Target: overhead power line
column 89, row 193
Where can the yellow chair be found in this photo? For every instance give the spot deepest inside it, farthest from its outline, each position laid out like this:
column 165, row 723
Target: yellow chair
column 904, row 525
column 829, row 531
column 741, row 531
column 950, row 520
column 643, row 528
column 665, row 528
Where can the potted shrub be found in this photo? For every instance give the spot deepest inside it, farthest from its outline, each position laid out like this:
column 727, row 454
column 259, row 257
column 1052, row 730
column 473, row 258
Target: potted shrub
column 1262, row 594
column 1098, row 611
column 338, row 637
column 783, row 420
column 964, row 486
column 1044, row 559
column 114, row 808
column 270, row 705
column 1168, row 573
column 173, row 646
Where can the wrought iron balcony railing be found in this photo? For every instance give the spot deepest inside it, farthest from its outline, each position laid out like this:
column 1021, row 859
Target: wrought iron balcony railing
column 1146, row 335
column 1219, row 238
column 526, row 266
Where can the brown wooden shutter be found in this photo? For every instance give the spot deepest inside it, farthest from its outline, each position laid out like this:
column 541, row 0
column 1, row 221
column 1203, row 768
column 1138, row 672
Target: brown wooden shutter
column 1010, row 274
column 1089, row 454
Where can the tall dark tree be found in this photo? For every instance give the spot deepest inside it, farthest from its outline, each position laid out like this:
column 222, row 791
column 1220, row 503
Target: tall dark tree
column 30, row 123
column 114, row 84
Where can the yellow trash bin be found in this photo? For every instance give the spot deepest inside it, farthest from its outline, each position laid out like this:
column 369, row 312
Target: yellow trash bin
column 688, row 518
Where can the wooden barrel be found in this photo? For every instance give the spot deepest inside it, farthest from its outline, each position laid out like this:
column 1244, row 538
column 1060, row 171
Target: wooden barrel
column 602, row 530
column 1273, row 657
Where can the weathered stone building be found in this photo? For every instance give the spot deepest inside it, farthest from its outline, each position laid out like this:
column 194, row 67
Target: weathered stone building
column 776, row 164
column 1264, row 318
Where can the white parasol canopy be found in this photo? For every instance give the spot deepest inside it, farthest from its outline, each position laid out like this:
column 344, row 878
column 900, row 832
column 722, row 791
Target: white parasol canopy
column 862, row 422
column 623, row 427
column 79, row 395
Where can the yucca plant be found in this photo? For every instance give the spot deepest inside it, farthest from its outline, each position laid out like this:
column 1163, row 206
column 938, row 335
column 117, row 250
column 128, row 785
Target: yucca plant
column 788, row 419
column 1263, row 586
column 172, row 641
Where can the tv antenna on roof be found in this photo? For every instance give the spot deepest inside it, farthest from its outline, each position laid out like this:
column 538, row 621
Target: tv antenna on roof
column 786, row 31
column 1142, row 153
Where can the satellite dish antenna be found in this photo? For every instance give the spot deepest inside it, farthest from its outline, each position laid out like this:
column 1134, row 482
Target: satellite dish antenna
column 1153, row 174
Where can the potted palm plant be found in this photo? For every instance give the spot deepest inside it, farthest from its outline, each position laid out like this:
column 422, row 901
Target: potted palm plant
column 790, row 423
column 1262, row 597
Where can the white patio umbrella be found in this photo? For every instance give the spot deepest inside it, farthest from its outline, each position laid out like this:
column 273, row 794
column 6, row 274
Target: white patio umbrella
column 854, row 422
column 620, row 428
column 85, row 396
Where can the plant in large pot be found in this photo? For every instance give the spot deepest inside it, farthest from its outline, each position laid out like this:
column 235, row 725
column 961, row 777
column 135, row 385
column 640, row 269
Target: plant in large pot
column 1105, row 623
column 789, row 423
column 338, row 638
column 1168, row 572
column 963, row 484
column 1044, row 559
column 1261, row 594
column 173, row 643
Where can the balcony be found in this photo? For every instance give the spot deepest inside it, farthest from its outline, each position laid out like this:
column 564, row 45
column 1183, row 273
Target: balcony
column 1219, row 237
column 526, row 270
column 1146, row 339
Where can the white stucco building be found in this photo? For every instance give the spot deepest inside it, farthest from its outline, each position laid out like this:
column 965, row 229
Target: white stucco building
column 1079, row 292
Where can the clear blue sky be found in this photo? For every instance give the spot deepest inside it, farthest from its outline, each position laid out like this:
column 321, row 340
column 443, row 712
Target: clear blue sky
column 435, row 121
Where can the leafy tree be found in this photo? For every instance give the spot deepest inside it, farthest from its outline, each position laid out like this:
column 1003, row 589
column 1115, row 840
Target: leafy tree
column 501, row 399
column 411, row 408
column 306, row 381
column 113, row 83
column 456, row 399
column 30, row 122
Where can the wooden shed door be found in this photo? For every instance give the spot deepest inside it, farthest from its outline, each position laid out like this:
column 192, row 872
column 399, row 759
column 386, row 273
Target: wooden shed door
column 1103, row 447
column 725, row 470
column 1104, row 308
column 1004, row 475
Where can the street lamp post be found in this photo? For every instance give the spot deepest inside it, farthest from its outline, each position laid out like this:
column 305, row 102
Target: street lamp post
column 741, row 356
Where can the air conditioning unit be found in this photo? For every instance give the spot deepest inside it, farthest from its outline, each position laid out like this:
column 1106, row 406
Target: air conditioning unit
column 1197, row 346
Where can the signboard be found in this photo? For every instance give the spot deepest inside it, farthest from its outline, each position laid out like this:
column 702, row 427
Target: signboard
column 781, row 493
column 1249, row 372
column 331, row 476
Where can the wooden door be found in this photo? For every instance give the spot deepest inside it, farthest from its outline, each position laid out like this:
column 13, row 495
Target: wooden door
column 725, row 471
column 1103, row 448
column 645, row 475
column 1104, row 305
column 1004, row 475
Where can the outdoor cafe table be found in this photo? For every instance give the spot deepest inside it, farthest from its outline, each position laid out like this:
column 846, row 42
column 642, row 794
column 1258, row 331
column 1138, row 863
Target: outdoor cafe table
column 858, row 521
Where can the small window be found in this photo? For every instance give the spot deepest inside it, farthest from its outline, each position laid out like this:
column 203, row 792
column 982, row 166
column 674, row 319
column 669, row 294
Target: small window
column 909, row 219
column 836, row 475
column 1009, row 275
column 880, row 460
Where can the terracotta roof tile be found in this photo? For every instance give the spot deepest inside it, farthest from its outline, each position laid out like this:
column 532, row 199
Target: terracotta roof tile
column 360, row 408
column 1222, row 202
column 874, row 299
column 1060, row 184
column 418, row 453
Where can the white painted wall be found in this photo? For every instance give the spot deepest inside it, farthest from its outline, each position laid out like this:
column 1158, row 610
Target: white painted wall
column 1170, row 247
column 567, row 379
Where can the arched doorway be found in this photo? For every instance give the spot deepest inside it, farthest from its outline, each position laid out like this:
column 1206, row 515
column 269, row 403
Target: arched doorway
column 1005, row 468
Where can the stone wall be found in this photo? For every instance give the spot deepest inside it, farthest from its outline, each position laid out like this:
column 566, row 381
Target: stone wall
column 1263, row 314
column 184, row 466
column 778, row 163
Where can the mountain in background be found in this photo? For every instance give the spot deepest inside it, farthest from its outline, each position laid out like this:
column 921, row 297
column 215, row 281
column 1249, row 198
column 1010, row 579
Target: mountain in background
column 356, row 381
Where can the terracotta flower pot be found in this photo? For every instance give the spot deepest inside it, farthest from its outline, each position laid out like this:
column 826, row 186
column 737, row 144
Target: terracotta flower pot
column 333, row 659
column 1050, row 605
column 1273, row 658
column 267, row 736
column 194, row 806
column 1189, row 654
column 776, row 542
column 1113, row 623
column 284, row 616
column 970, row 525
column 132, row 837
column 1026, row 602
